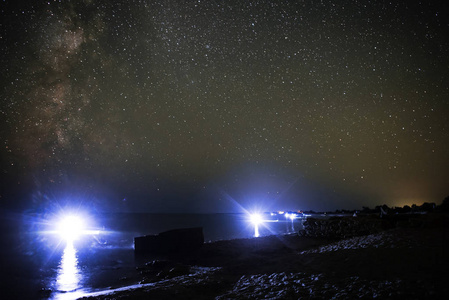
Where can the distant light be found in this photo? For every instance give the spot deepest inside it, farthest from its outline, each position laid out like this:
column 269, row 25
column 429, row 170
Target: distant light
column 256, row 219
column 290, row 216
column 71, row 227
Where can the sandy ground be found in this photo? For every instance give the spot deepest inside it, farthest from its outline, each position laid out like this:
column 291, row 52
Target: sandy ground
column 401, row 263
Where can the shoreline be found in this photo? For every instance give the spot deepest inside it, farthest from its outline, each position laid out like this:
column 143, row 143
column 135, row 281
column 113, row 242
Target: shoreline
column 395, row 263
column 214, row 259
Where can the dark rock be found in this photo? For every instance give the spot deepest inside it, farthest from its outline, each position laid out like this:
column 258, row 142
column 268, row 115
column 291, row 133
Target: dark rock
column 176, row 271
column 173, row 241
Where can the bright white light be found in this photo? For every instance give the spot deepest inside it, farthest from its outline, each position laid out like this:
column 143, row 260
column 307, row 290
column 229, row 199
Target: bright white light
column 290, row 216
column 71, row 227
column 256, row 219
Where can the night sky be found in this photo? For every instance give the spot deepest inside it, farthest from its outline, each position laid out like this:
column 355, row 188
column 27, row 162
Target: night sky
column 202, row 106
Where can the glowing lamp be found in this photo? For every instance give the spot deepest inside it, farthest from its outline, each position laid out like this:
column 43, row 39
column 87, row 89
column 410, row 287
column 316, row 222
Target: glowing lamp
column 71, row 227
column 256, row 219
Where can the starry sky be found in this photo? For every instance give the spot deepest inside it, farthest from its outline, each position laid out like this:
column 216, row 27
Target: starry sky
column 205, row 106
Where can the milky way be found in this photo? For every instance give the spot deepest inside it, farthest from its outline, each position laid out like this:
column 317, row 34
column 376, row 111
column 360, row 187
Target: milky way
column 329, row 104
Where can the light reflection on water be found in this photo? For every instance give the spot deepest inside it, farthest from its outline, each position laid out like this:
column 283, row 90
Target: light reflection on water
column 68, row 279
column 256, row 230
column 268, row 227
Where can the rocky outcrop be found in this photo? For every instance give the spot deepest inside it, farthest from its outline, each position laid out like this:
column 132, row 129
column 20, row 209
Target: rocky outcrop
column 173, row 241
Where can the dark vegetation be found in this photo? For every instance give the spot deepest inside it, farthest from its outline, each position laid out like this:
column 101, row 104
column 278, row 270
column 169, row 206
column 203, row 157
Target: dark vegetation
column 426, row 207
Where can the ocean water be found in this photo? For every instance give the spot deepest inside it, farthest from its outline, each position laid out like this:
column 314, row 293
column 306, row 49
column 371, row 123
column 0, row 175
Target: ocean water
column 39, row 264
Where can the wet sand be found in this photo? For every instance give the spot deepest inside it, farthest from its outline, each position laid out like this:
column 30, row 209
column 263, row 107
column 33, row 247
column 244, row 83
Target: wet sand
column 400, row 263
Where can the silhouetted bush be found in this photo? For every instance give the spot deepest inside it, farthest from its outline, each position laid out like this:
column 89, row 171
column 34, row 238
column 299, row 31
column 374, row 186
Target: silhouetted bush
column 445, row 205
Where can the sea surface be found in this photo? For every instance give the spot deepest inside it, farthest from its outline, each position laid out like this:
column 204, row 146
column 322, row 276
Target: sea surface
column 37, row 263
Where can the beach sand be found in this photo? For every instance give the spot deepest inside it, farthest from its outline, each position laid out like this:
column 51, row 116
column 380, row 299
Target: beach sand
column 400, row 263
